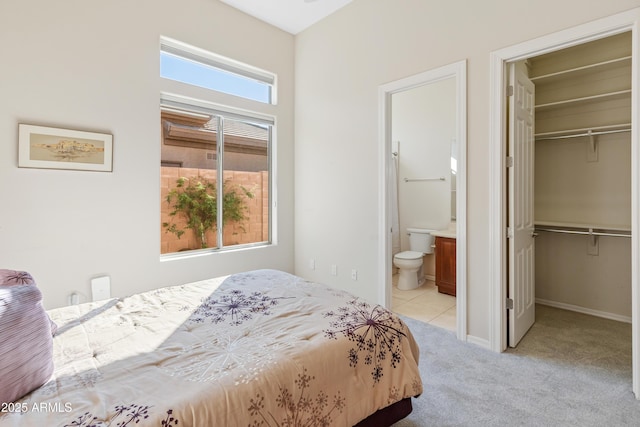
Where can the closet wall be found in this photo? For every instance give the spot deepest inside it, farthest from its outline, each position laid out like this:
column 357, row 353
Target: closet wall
column 582, row 181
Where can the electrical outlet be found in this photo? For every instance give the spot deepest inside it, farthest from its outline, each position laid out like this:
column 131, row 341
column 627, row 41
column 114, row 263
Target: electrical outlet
column 74, row 299
column 312, row 264
column 334, row 270
column 101, row 288
column 354, row 274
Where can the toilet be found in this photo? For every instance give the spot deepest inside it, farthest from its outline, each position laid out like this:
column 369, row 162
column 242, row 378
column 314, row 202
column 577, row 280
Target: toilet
column 409, row 262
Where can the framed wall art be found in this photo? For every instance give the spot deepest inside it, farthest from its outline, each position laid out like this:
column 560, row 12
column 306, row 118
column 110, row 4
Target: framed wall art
column 55, row 148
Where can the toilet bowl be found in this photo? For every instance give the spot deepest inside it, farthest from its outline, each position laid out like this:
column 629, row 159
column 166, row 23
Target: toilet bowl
column 409, row 262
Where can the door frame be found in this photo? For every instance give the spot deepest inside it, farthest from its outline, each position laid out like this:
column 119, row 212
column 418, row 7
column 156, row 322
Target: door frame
column 457, row 70
column 615, row 24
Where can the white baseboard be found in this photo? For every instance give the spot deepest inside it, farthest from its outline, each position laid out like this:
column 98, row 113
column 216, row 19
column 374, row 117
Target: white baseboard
column 479, row 341
column 583, row 310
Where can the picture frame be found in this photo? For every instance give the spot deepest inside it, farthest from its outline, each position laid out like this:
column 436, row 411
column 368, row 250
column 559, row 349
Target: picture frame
column 56, row 148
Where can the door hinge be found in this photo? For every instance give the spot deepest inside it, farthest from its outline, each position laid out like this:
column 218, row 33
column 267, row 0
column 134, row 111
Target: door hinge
column 509, row 161
column 509, row 232
column 509, row 304
column 510, row 90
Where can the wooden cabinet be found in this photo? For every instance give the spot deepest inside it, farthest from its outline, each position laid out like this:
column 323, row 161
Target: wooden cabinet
column 446, row 265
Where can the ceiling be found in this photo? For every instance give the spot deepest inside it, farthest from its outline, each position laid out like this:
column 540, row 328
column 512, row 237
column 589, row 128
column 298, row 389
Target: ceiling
column 292, row 16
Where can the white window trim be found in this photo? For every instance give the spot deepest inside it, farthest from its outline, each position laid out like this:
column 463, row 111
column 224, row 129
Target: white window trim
column 181, row 102
column 168, row 100
column 184, row 50
column 199, row 102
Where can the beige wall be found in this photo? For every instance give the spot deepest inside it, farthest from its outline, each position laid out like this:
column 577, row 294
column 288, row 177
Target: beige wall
column 94, row 65
column 571, row 190
column 423, row 126
column 566, row 274
column 341, row 62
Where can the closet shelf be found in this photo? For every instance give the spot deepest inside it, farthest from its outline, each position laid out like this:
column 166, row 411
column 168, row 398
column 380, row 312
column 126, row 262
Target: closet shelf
column 590, row 232
column 582, row 227
column 583, row 70
column 584, row 100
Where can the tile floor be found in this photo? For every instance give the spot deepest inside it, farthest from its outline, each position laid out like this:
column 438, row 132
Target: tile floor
column 426, row 304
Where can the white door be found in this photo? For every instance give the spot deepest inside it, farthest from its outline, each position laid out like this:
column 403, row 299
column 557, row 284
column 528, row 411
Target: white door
column 521, row 225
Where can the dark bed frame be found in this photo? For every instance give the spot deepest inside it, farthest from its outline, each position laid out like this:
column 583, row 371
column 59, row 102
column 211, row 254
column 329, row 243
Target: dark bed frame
column 389, row 415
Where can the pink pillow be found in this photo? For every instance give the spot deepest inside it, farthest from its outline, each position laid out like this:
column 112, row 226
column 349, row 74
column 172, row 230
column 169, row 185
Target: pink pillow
column 26, row 343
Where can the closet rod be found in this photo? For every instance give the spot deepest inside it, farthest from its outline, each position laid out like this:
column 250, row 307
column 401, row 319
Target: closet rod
column 579, row 135
column 586, row 233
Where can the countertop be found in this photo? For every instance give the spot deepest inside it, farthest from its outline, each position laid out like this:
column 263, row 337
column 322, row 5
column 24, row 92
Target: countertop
column 449, row 233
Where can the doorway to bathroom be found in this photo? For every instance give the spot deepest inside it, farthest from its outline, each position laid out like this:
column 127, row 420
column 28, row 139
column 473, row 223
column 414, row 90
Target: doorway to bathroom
column 423, row 187
column 568, row 237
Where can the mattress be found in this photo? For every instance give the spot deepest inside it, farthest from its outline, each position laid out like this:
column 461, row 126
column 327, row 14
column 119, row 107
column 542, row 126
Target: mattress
column 261, row 348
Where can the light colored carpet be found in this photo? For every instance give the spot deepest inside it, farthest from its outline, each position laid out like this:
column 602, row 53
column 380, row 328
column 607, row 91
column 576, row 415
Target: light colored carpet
column 569, row 370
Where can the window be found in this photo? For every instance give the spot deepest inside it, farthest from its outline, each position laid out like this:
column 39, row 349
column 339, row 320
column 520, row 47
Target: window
column 215, row 171
column 194, row 66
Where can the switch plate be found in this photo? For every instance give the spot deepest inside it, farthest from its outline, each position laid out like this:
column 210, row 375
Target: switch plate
column 101, row 288
column 354, row 274
column 334, row 270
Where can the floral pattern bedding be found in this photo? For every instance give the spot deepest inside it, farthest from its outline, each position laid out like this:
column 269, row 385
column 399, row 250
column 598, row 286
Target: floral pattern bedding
column 262, row 348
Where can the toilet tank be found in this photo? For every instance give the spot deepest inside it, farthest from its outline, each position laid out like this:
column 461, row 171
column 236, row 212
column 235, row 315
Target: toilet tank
column 421, row 240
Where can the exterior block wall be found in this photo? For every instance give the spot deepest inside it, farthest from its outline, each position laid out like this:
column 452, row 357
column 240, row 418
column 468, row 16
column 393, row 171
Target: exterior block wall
column 254, row 229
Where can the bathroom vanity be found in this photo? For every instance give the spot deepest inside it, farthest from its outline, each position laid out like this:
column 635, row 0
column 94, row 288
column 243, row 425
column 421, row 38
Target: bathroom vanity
column 445, row 261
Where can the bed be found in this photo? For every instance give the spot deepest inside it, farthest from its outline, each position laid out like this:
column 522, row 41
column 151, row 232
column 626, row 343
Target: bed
column 261, row 348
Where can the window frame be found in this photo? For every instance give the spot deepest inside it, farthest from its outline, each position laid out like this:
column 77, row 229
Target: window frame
column 177, row 95
column 204, row 57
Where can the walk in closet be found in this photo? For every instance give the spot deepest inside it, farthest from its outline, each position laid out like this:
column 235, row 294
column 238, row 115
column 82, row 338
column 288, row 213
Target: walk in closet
column 582, row 187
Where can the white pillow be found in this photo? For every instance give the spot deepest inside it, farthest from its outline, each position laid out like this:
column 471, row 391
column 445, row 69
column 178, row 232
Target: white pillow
column 26, row 342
